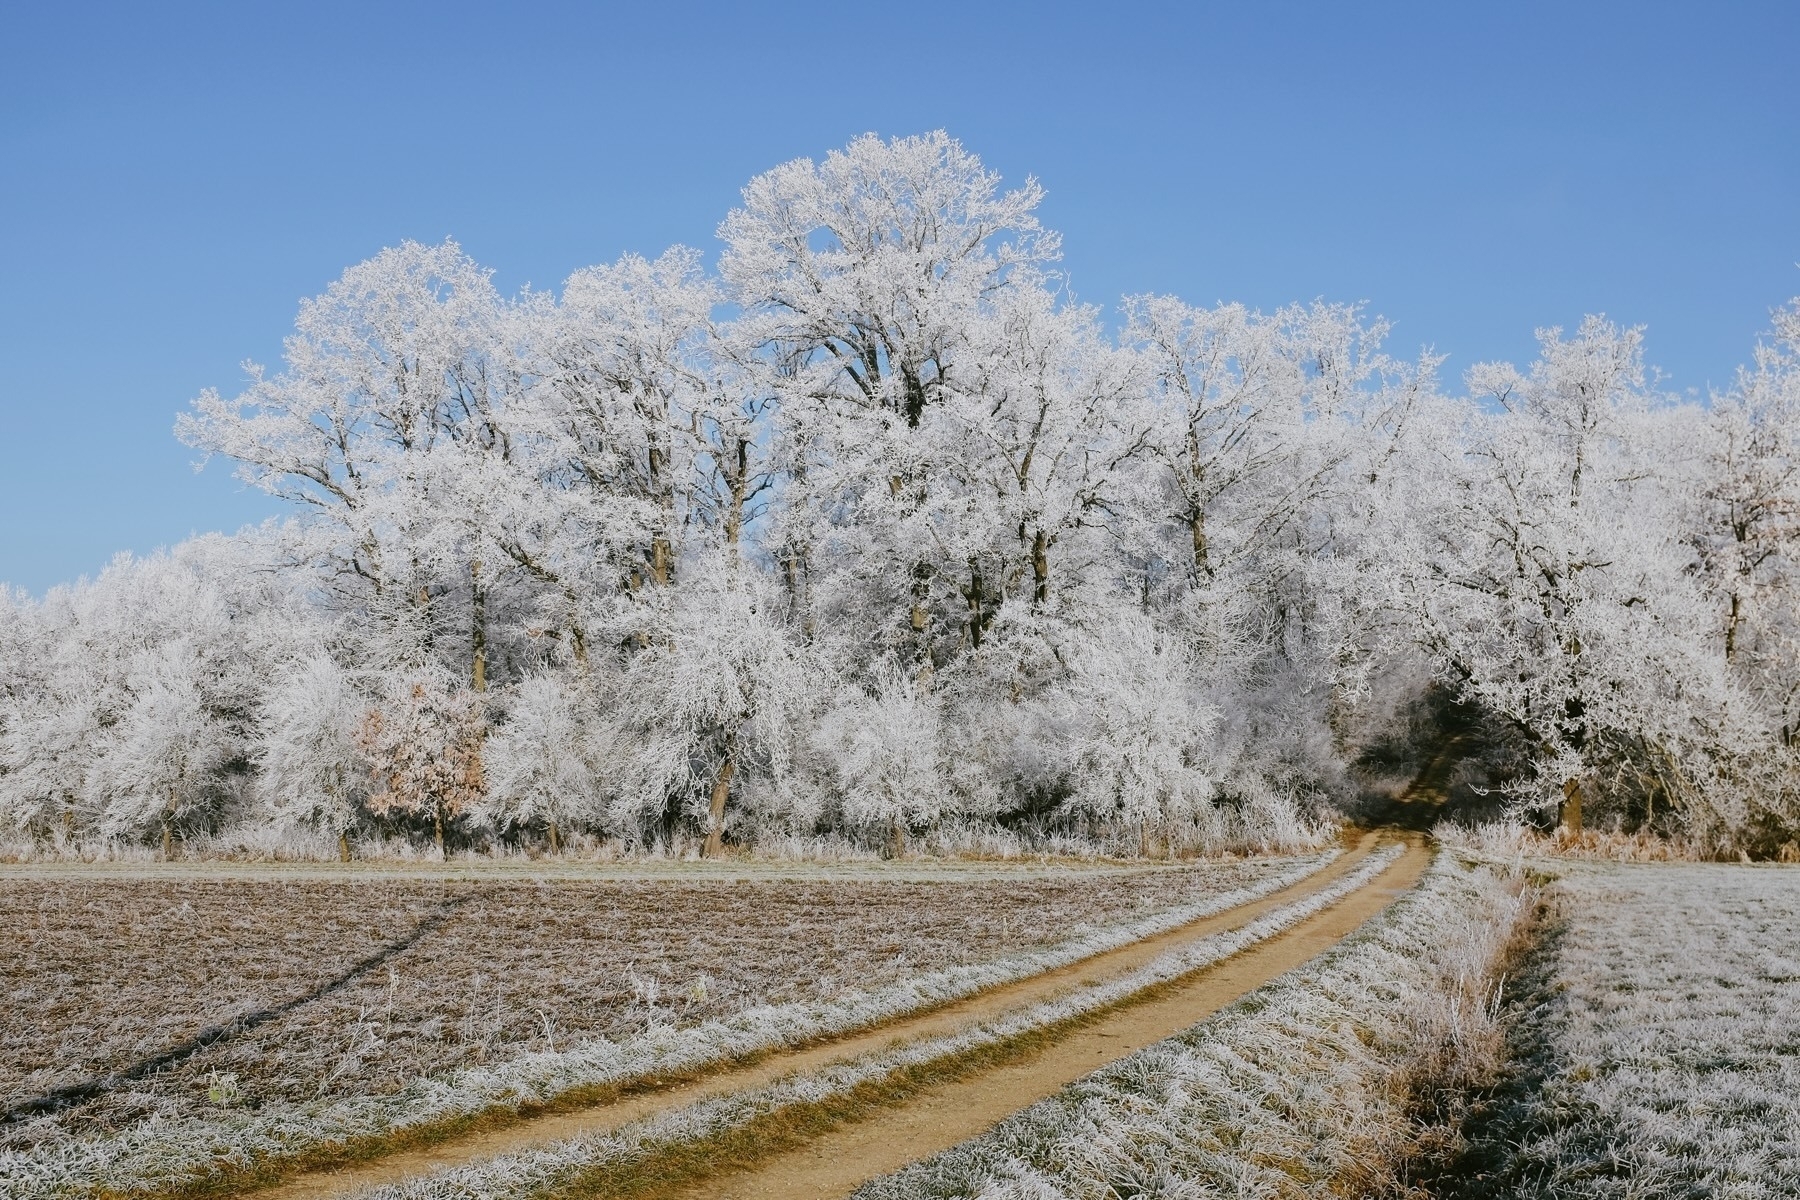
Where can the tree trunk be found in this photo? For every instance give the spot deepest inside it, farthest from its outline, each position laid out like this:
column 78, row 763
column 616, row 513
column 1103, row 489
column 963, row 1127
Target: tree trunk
column 662, row 555
column 343, row 846
column 478, row 627
column 423, row 601
column 168, row 841
column 662, row 551
column 577, row 636
column 437, row 826
column 793, row 577
column 738, row 480
column 715, row 817
column 1040, row 569
column 555, row 841
column 977, row 597
column 1571, row 809
column 897, row 846
column 920, row 616
column 1202, row 568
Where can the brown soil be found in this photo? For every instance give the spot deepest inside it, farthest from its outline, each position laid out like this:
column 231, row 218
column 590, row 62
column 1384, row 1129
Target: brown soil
column 993, row 1094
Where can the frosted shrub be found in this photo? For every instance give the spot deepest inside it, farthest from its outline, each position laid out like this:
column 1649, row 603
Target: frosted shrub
column 538, row 764
column 312, row 773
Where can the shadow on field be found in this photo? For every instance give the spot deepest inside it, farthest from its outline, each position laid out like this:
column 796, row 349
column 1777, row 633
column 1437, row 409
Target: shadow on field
column 72, row 1094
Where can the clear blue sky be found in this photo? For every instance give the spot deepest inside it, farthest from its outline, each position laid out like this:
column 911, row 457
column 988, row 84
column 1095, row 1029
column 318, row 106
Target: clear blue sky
column 174, row 178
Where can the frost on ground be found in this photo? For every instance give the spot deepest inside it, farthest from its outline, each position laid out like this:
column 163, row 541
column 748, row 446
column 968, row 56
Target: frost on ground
column 1661, row 1053
column 580, row 1165
column 1511, row 839
column 561, row 986
column 1315, row 1085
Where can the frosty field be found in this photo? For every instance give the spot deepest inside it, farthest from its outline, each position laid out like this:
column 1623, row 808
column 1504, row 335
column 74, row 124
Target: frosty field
column 483, row 970
column 1658, row 1048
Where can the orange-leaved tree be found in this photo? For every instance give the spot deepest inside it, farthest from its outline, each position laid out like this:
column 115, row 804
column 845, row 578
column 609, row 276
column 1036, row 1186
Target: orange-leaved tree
column 424, row 750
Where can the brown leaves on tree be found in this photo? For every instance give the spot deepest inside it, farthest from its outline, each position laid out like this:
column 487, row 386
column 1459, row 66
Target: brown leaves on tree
column 424, row 752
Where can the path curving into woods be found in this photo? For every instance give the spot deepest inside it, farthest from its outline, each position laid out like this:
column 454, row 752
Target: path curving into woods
column 942, row 1116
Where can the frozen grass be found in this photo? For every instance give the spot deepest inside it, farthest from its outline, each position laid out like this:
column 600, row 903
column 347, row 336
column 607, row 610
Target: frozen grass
column 1659, row 1053
column 722, row 969
column 600, row 1163
column 1313, row 1086
column 1231, row 833
column 1512, row 840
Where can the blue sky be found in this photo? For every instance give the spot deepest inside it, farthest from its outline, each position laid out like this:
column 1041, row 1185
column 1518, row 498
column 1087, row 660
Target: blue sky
column 174, row 178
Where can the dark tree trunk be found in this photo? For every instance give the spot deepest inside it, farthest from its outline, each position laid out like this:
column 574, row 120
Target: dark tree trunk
column 478, row 627
column 1040, row 569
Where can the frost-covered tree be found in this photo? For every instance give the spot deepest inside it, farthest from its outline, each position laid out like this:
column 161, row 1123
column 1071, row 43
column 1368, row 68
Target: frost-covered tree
column 875, row 526
column 423, row 745
column 863, row 278
column 132, row 710
column 312, row 771
column 162, row 762
column 394, row 397
column 885, row 745
column 537, row 765
column 1748, row 522
column 1140, row 727
column 711, row 697
column 1554, row 585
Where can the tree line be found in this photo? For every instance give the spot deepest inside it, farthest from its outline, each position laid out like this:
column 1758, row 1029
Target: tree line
column 872, row 527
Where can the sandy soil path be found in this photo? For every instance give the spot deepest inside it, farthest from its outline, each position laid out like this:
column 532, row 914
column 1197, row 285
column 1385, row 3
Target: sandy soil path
column 947, row 1019
column 940, row 1117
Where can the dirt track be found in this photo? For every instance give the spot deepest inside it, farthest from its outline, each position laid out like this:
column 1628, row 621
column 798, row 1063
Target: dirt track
column 944, row 1020
column 940, row 1117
